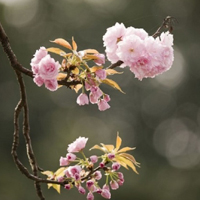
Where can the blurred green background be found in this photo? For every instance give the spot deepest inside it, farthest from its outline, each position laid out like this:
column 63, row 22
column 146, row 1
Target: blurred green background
column 160, row 116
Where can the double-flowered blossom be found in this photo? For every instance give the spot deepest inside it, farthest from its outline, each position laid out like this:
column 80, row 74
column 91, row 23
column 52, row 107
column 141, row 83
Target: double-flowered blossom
column 82, row 174
column 146, row 56
column 45, row 69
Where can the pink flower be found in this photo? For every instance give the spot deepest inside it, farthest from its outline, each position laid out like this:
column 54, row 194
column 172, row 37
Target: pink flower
column 106, row 97
column 141, row 33
column 101, row 59
column 106, row 187
column 94, row 158
column 82, row 99
column 106, row 194
column 111, row 156
column 48, row 68
column 120, row 181
column 98, row 175
column 115, row 166
column 101, row 73
column 38, row 80
column 39, row 54
column 102, row 164
column 60, row 179
column 71, row 157
column 95, row 94
column 51, row 85
column 68, row 186
column 89, row 184
column 73, row 172
column 63, row 161
column 103, row 105
column 130, row 49
column 111, row 39
column 114, row 185
column 113, row 35
column 90, row 196
column 81, row 190
column 120, row 175
column 77, row 145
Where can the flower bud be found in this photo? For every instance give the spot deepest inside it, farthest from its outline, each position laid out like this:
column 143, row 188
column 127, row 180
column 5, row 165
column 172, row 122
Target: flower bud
column 111, row 156
column 90, row 196
column 116, row 166
column 114, row 185
column 94, row 158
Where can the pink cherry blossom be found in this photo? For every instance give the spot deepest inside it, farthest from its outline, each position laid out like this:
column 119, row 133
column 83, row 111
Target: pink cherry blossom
column 101, row 59
column 68, row 186
column 115, row 166
column 130, row 49
column 71, row 157
column 98, row 175
column 106, row 194
column 77, row 145
column 106, row 97
column 103, row 105
column 114, row 185
column 111, row 39
column 60, row 179
column 38, row 80
column 89, row 184
column 94, row 158
column 81, row 190
column 111, row 156
column 101, row 73
column 48, row 68
column 95, row 94
column 39, row 54
column 63, row 161
column 120, row 181
column 51, row 85
column 82, row 99
column 140, row 32
column 90, row 196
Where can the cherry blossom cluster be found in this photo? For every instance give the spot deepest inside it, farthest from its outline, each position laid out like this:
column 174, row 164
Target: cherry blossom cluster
column 81, row 173
column 145, row 55
column 45, row 69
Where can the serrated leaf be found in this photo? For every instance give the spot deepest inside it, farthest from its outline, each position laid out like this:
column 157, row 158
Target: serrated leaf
column 48, row 173
column 112, row 84
column 60, row 171
column 107, row 147
column 90, row 57
column 95, row 68
column 126, row 149
column 112, row 71
column 118, row 142
column 92, row 51
column 74, row 45
column 62, row 42
column 56, row 187
column 128, row 156
column 57, row 51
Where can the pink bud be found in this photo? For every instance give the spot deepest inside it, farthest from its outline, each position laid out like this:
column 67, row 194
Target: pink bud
column 63, row 161
column 81, row 190
column 116, row 166
column 114, row 185
column 106, row 97
column 67, row 186
column 82, row 99
column 71, row 157
column 101, row 164
column 98, row 175
column 60, row 179
column 38, row 80
column 89, row 184
column 94, row 158
column 120, row 181
column 106, row 187
column 100, row 60
column 90, row 196
column 101, row 74
column 120, row 175
column 111, row 156
column 106, row 194
column 103, row 105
